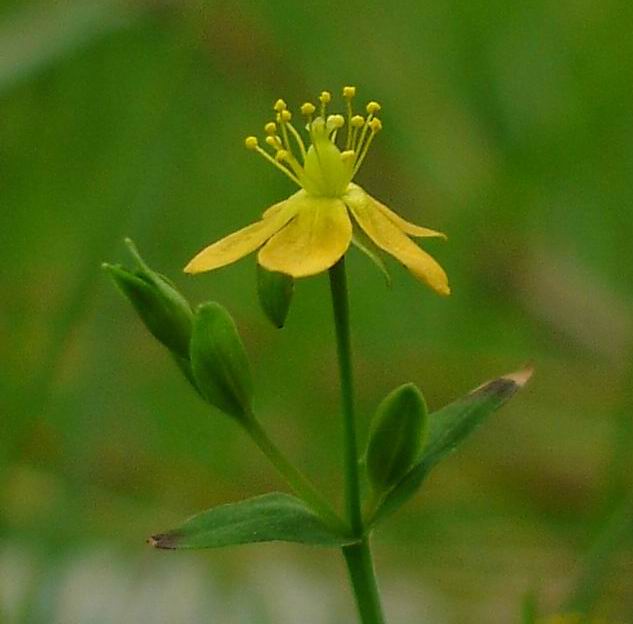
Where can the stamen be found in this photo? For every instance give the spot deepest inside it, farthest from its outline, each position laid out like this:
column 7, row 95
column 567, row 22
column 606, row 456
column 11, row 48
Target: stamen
column 372, row 107
column 358, row 121
column 334, row 122
column 272, row 160
column 348, row 94
column 284, row 133
column 298, row 139
column 325, row 98
column 375, row 125
column 308, row 109
column 274, row 141
column 360, row 134
column 347, row 154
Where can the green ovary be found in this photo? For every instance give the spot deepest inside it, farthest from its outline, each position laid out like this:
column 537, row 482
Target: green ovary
column 326, row 174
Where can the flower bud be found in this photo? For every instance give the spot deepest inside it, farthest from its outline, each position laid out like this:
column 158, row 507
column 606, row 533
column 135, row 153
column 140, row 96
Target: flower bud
column 219, row 363
column 163, row 310
column 396, row 437
column 275, row 294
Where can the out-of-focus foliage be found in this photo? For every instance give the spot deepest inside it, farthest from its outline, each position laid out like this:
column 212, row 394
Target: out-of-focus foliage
column 506, row 125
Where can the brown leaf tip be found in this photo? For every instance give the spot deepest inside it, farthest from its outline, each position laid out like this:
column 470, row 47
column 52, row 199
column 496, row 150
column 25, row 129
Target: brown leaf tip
column 162, row 540
column 520, row 377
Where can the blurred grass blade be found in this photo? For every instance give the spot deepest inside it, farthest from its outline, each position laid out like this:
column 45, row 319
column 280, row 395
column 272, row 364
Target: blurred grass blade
column 529, row 608
column 268, row 518
column 616, row 533
column 449, row 427
column 37, row 36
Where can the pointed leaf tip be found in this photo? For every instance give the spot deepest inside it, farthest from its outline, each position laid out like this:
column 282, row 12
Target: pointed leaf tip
column 521, row 377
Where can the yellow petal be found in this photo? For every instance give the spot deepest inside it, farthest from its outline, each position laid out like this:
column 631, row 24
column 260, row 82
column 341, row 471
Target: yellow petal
column 312, row 242
column 406, row 226
column 244, row 241
column 276, row 208
column 391, row 239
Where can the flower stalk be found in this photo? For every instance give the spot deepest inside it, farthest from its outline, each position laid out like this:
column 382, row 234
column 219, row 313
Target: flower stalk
column 358, row 556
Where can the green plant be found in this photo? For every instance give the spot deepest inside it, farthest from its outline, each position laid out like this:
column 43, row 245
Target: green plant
column 305, row 235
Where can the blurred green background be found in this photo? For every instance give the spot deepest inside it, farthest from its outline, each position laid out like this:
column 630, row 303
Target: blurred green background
column 507, row 125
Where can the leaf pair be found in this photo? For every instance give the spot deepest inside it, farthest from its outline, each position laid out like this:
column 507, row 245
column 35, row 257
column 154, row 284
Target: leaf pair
column 280, row 517
column 447, row 429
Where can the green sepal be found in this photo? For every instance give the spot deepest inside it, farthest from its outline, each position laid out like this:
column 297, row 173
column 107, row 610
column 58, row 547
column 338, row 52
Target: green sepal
column 163, row 310
column 448, row 428
column 268, row 518
column 275, row 292
column 371, row 250
column 396, row 437
column 219, row 362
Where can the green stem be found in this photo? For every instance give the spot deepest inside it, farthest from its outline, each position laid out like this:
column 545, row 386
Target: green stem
column 357, row 556
column 361, row 573
column 338, row 287
column 299, row 483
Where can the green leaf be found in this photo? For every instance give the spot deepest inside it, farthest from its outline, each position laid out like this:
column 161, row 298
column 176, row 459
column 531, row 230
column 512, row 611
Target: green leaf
column 275, row 294
column 219, row 362
column 163, row 310
column 268, row 518
column 448, row 428
column 396, row 437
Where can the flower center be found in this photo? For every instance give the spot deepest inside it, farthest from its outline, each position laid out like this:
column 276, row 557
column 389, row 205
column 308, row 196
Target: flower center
column 322, row 168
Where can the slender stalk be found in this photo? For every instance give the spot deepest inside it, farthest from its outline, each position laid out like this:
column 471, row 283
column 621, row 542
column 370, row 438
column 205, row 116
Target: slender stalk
column 357, row 556
column 299, row 483
column 338, row 287
column 363, row 577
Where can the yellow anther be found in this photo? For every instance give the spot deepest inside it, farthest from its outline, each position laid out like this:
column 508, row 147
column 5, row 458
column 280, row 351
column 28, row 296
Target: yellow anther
column 325, row 97
column 273, row 141
column 348, row 155
column 335, row 121
column 251, row 142
column 358, row 121
column 307, row 109
column 375, row 124
column 270, row 127
column 281, row 155
column 373, row 107
column 349, row 92
column 279, row 105
column 285, row 115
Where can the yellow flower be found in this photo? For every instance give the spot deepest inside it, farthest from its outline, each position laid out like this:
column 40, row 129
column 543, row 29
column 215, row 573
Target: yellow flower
column 312, row 229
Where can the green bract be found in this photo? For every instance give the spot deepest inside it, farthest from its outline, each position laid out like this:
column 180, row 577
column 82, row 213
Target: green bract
column 163, row 310
column 219, row 363
column 396, row 436
column 275, row 294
